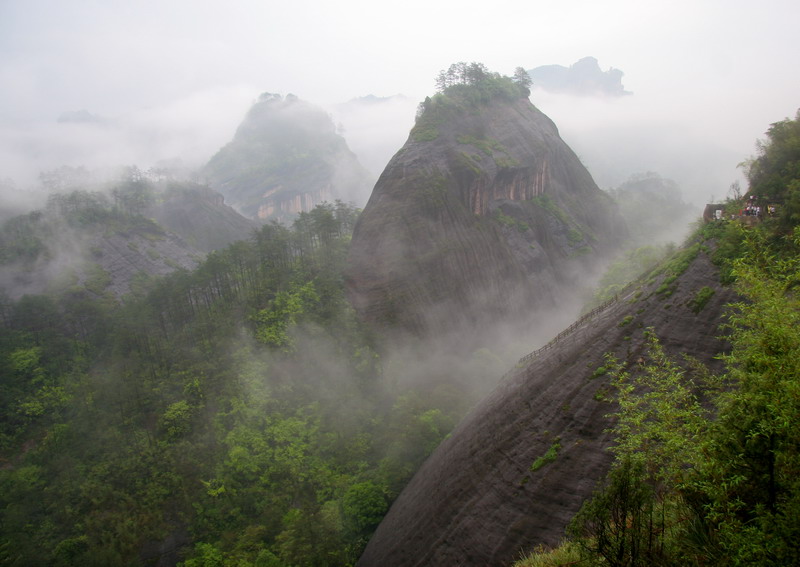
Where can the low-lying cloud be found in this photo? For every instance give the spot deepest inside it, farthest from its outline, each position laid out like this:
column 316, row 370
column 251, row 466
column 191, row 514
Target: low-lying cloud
column 189, row 130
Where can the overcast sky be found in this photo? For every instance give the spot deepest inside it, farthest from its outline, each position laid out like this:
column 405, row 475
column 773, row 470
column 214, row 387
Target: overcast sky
column 178, row 75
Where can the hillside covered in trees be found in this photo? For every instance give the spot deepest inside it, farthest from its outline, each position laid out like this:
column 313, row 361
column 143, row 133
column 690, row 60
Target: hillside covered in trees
column 706, row 464
column 236, row 413
column 236, row 410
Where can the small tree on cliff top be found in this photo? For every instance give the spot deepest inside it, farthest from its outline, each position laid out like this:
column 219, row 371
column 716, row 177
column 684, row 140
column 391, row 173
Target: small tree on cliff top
column 478, row 75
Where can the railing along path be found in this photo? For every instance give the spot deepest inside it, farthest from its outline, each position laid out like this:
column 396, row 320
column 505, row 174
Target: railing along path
column 578, row 322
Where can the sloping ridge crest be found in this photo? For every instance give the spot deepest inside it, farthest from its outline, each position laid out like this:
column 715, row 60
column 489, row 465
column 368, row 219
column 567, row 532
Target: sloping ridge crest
column 476, row 501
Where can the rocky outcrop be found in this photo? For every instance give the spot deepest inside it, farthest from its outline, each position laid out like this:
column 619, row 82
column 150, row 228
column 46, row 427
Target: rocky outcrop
column 103, row 258
column 477, row 500
column 81, row 240
column 200, row 217
column 284, row 159
column 483, row 209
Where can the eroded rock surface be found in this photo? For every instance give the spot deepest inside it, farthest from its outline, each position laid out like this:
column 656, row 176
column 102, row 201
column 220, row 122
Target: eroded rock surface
column 476, row 501
column 483, row 209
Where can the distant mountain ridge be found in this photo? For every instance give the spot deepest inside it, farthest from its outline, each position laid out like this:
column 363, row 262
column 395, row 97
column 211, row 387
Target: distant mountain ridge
column 583, row 77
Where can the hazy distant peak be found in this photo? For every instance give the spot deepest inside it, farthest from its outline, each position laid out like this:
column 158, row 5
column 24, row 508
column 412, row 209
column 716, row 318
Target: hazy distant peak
column 285, row 158
column 583, row 77
column 277, row 98
column 267, row 97
column 374, row 99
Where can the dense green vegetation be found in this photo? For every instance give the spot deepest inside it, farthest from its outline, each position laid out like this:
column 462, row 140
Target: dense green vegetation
column 707, row 465
column 29, row 237
column 237, row 414
column 465, row 87
column 775, row 172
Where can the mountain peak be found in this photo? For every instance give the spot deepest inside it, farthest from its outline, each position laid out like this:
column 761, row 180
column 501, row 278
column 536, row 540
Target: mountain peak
column 483, row 204
column 285, row 158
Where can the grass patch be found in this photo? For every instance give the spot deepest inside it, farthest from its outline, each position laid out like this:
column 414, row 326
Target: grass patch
column 548, row 457
column 677, row 264
column 545, row 202
column 427, row 133
column 568, row 553
column 626, row 321
column 698, row 302
column 97, row 279
column 574, row 236
column 510, row 222
column 490, row 148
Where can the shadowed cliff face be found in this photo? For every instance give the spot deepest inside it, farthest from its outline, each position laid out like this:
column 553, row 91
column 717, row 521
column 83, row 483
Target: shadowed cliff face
column 483, row 209
column 476, row 501
column 201, row 218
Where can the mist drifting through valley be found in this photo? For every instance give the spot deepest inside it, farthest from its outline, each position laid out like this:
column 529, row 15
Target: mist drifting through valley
column 190, row 378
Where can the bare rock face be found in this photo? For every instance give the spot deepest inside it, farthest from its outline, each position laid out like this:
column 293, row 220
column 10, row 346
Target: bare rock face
column 477, row 500
column 484, row 209
column 200, row 217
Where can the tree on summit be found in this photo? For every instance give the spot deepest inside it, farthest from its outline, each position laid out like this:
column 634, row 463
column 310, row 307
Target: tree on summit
column 462, row 73
column 523, row 79
column 474, row 81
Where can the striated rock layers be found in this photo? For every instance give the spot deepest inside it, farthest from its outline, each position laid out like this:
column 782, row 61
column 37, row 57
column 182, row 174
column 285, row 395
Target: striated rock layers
column 477, row 500
column 284, row 159
column 484, row 209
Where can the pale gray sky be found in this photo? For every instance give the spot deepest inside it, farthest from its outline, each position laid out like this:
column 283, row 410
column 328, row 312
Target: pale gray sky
column 176, row 76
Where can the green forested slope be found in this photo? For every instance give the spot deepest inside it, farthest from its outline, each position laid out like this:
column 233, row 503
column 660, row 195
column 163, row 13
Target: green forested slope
column 707, row 465
column 237, row 414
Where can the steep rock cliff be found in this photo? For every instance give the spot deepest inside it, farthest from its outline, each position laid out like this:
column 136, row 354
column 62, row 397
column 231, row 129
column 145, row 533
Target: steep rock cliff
column 484, row 209
column 199, row 216
column 284, row 159
column 476, row 501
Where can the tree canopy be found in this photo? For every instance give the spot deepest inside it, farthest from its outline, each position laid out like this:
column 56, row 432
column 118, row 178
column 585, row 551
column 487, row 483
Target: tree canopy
column 236, row 414
column 476, row 75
